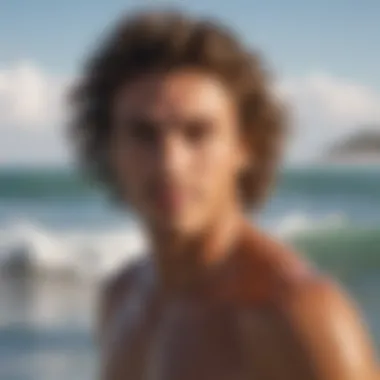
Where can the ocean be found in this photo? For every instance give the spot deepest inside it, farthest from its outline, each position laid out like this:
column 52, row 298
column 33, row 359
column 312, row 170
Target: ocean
column 60, row 237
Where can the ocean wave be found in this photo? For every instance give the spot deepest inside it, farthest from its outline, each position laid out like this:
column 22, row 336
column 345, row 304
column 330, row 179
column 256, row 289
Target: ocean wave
column 68, row 184
column 32, row 185
column 27, row 249
column 331, row 182
column 298, row 224
column 335, row 243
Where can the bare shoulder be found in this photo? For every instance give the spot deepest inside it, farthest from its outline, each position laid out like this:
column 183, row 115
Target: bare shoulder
column 326, row 323
column 310, row 327
column 115, row 289
column 121, row 279
column 321, row 301
column 317, row 291
column 271, row 261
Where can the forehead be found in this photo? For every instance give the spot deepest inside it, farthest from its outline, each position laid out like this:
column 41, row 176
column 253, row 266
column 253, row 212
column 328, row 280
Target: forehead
column 181, row 92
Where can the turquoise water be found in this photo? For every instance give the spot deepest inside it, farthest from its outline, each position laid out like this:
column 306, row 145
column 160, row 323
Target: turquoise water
column 53, row 223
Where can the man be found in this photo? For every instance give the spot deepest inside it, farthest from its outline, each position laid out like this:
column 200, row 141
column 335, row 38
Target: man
column 177, row 116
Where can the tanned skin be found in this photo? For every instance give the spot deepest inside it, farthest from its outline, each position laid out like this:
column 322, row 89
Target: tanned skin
column 216, row 298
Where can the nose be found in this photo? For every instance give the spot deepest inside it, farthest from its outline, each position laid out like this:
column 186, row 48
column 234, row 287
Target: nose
column 173, row 156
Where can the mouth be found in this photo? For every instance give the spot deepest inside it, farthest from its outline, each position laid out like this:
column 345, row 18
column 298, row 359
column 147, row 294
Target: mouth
column 169, row 199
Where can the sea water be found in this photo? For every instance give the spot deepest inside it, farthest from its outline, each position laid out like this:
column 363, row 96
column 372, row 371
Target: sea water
column 60, row 237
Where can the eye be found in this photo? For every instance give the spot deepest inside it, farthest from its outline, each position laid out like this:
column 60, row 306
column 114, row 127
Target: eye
column 141, row 131
column 198, row 131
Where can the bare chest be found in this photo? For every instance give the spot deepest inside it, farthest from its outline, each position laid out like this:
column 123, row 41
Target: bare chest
column 180, row 340
column 187, row 340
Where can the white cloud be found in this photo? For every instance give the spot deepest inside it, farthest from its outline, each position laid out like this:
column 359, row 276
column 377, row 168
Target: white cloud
column 30, row 97
column 326, row 108
column 33, row 103
column 340, row 102
column 32, row 116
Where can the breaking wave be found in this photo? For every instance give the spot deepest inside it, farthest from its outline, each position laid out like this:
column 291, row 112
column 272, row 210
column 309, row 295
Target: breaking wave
column 29, row 249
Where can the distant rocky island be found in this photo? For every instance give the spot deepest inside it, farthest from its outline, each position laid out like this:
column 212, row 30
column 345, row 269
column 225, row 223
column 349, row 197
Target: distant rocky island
column 360, row 148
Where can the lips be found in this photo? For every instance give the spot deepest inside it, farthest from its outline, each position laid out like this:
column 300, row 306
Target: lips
column 169, row 198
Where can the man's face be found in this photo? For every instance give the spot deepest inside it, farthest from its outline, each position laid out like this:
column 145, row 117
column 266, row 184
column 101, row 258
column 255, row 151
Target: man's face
column 175, row 149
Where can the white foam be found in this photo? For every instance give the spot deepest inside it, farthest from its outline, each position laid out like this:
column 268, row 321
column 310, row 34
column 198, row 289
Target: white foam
column 32, row 250
column 298, row 223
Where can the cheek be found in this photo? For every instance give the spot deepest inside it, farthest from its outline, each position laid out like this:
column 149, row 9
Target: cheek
column 217, row 164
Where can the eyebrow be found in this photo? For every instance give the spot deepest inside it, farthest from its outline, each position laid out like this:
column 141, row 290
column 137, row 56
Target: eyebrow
column 159, row 122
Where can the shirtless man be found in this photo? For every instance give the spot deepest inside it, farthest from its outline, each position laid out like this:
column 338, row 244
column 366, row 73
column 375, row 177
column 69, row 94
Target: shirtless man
column 177, row 116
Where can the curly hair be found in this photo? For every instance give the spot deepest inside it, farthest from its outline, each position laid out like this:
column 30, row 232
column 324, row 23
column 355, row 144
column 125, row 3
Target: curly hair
column 151, row 41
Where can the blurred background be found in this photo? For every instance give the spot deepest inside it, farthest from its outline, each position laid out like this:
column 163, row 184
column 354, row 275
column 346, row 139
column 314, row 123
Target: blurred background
column 59, row 235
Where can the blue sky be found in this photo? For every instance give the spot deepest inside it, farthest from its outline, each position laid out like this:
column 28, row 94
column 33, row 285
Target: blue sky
column 326, row 56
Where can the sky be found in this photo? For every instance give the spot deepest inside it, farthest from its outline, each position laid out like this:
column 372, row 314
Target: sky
column 325, row 56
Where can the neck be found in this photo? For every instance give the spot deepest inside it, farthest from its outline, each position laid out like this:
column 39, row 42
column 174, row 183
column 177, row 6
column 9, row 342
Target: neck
column 184, row 262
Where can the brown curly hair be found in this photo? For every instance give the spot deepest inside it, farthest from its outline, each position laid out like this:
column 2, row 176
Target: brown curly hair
column 151, row 41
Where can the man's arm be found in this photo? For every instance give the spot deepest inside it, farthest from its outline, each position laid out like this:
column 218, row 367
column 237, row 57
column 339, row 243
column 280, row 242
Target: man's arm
column 330, row 332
